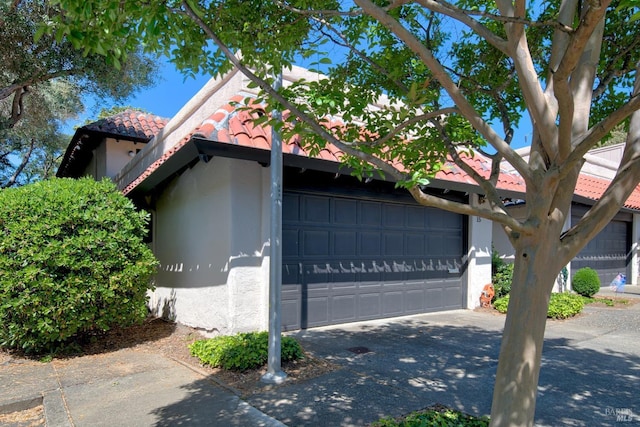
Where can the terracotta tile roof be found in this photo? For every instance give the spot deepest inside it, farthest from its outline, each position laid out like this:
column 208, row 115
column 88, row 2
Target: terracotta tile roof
column 508, row 181
column 593, row 188
column 130, row 123
column 231, row 125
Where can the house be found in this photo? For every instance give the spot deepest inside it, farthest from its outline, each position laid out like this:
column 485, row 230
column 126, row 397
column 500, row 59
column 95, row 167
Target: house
column 352, row 250
column 615, row 249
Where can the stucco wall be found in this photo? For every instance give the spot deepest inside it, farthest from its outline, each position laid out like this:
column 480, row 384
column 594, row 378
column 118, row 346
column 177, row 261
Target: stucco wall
column 478, row 271
column 209, row 239
column 118, row 155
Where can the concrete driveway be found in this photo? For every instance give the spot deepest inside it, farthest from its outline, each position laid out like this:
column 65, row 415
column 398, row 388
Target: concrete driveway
column 590, row 374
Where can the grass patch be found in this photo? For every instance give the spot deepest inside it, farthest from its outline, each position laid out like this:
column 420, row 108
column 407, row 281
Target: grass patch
column 437, row 415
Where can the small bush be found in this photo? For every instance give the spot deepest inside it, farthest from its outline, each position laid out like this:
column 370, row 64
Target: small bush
column 242, row 351
column 586, row 282
column 440, row 416
column 72, row 261
column 561, row 305
column 502, row 280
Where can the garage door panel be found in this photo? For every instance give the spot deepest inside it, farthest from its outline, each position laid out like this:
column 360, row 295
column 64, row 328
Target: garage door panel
column 415, row 217
column 394, row 216
column 433, row 298
column 393, row 244
column 290, row 316
column 362, row 259
column 292, row 213
column 370, row 243
column 345, row 244
column 290, row 243
column 290, row 274
column 451, row 296
column 316, row 209
column 392, row 303
column 415, row 300
column 345, row 212
column 369, row 306
column 317, row 311
column 315, row 243
column 370, row 213
column 343, row 308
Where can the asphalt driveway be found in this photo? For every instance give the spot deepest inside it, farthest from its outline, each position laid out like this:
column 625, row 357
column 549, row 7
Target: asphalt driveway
column 590, row 374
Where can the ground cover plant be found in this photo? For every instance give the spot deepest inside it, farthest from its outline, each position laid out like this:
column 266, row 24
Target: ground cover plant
column 609, row 302
column 561, row 305
column 434, row 416
column 243, row 351
column 72, row 261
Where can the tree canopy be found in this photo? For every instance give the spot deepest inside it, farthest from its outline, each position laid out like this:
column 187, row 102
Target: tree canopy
column 45, row 82
column 455, row 76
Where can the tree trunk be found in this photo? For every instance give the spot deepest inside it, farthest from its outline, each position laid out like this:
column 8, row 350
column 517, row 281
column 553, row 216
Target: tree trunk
column 535, row 271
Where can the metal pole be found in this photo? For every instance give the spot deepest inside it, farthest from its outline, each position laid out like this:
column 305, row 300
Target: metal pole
column 274, row 374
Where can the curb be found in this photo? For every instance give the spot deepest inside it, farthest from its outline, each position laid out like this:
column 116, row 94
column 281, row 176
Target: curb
column 21, row 405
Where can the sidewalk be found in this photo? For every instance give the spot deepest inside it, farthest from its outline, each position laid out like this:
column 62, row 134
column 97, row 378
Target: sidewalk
column 386, row 368
column 123, row 388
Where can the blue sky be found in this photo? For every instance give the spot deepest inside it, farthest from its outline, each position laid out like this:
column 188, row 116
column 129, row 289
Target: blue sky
column 174, row 90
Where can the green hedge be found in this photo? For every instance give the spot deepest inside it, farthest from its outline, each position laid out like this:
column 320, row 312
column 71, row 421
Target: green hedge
column 72, row 260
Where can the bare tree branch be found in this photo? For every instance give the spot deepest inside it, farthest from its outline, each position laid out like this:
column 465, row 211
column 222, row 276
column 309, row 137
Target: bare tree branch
column 343, row 42
column 464, row 17
column 598, row 131
column 25, row 159
column 318, row 12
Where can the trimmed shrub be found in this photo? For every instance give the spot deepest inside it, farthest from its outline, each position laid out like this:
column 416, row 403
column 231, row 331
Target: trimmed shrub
column 72, row 261
column 586, row 282
column 561, row 305
column 243, row 351
column 502, row 280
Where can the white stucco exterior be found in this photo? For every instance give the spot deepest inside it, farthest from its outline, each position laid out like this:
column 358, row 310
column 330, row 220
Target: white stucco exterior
column 478, row 272
column 633, row 275
column 110, row 157
column 212, row 243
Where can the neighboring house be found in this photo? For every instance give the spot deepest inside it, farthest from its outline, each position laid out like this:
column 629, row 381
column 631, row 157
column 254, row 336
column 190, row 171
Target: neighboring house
column 351, row 250
column 615, row 249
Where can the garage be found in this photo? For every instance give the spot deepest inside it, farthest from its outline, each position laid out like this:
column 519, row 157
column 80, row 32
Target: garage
column 608, row 252
column 352, row 257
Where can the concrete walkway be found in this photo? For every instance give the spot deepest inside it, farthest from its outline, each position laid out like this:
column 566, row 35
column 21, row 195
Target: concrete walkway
column 590, row 376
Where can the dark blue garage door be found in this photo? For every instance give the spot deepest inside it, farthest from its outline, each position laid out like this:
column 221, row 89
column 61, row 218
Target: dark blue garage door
column 349, row 259
column 608, row 252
